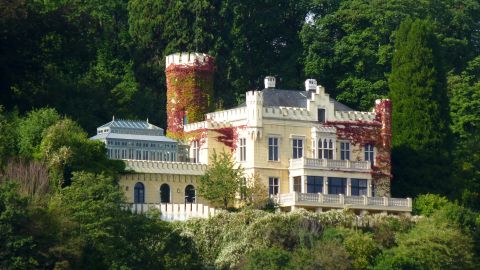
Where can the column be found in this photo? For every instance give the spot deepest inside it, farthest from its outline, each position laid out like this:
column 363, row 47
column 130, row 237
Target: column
column 369, row 188
column 304, row 184
column 325, row 185
column 349, row 187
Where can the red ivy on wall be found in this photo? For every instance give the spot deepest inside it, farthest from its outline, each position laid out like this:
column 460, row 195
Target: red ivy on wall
column 226, row 135
column 189, row 91
column 378, row 132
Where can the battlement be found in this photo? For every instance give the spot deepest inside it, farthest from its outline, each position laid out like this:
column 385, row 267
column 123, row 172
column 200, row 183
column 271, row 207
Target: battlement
column 293, row 113
column 228, row 115
column 187, row 58
column 354, row 116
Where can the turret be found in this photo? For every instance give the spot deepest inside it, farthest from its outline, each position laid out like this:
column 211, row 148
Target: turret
column 189, row 89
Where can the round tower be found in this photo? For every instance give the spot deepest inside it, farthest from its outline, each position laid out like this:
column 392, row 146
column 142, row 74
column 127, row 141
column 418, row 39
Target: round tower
column 189, row 89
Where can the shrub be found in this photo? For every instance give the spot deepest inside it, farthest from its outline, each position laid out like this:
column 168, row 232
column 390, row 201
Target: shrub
column 427, row 204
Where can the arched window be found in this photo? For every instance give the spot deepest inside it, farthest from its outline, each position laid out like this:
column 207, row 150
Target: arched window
column 165, row 193
column 139, row 193
column 189, row 194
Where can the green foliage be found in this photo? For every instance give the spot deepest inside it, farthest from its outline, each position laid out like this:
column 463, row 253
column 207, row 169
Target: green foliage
column 222, row 180
column 115, row 238
column 227, row 239
column 66, row 148
column 427, row 204
column 329, row 255
column 348, row 44
column 31, row 128
column 272, row 258
column 464, row 91
column 8, row 139
column 16, row 245
column 430, row 246
column 421, row 149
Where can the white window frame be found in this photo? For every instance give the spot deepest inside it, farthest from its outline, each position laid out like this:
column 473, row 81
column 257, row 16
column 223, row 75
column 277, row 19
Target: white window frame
column 369, row 153
column 328, row 151
column 297, row 151
column 345, row 150
column 242, row 149
column 273, row 146
column 275, row 186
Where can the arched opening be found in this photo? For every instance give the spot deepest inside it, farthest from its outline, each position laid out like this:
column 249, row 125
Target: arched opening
column 165, row 193
column 189, row 194
column 139, row 193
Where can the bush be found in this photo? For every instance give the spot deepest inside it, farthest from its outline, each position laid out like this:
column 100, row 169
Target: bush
column 268, row 259
column 427, row 204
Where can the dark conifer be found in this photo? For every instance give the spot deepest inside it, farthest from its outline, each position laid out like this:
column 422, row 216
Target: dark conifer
column 420, row 112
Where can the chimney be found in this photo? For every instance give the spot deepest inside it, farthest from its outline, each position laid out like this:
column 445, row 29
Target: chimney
column 269, row 82
column 310, row 85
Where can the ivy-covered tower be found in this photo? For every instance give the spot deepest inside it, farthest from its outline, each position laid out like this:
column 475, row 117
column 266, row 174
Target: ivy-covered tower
column 189, row 89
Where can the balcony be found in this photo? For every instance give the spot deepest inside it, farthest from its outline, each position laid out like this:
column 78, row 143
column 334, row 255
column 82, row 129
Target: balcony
column 329, row 201
column 313, row 163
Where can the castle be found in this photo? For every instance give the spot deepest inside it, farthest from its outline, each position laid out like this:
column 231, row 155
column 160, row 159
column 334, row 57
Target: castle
column 309, row 150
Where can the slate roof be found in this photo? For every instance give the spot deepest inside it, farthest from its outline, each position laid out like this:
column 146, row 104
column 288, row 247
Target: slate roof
column 292, row 98
column 132, row 137
column 130, row 124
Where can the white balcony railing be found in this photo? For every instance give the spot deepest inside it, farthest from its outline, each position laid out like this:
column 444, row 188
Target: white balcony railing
column 314, row 163
column 175, row 211
column 341, row 201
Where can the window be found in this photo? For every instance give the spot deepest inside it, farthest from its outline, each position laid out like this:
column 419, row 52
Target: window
column 345, row 151
column 325, row 149
column 369, row 154
column 273, row 186
column 273, row 149
column 164, row 193
column 124, row 153
column 359, row 187
column 145, row 155
column 139, row 193
column 314, row 184
column 243, row 149
column 138, row 154
column 195, row 152
column 130, row 153
column 297, row 184
column 321, row 115
column 189, row 194
column 297, row 148
column 336, row 185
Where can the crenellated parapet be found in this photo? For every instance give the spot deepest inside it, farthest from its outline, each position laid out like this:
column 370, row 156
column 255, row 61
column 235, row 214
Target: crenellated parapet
column 354, row 116
column 228, row 115
column 187, row 58
column 290, row 113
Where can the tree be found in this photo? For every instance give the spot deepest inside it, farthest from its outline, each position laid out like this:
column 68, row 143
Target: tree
column 31, row 128
column 8, row 140
column 17, row 247
column 114, row 237
column 66, row 148
column 222, row 180
column 430, row 246
column 253, row 192
column 420, row 119
column 464, row 92
column 272, row 258
column 348, row 44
